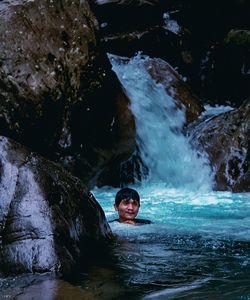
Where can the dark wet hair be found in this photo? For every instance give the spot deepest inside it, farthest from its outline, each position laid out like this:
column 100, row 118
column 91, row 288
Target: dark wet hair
column 126, row 193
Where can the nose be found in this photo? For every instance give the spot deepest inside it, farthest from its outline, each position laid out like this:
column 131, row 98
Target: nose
column 130, row 206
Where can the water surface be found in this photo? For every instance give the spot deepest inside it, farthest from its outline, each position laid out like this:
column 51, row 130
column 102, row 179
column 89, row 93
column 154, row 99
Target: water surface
column 196, row 248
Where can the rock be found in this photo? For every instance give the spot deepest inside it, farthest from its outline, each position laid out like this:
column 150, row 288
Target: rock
column 130, row 42
column 213, row 70
column 58, row 93
column 215, row 75
column 155, row 41
column 159, row 35
column 226, row 140
column 226, row 69
column 238, row 37
column 175, row 87
column 48, row 219
column 240, row 41
column 124, row 15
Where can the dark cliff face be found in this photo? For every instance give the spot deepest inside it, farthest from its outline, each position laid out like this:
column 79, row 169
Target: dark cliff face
column 58, row 93
column 187, row 34
column 48, row 219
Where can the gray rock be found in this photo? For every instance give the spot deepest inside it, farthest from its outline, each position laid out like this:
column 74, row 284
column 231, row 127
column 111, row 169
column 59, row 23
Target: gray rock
column 226, row 140
column 48, row 219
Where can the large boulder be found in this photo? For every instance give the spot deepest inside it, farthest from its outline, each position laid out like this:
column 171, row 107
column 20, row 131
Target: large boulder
column 226, row 140
column 58, row 93
column 48, row 219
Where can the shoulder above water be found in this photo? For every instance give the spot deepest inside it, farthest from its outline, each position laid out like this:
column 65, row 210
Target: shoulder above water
column 137, row 221
column 142, row 221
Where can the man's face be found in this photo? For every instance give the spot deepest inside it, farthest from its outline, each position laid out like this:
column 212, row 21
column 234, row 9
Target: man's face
column 127, row 210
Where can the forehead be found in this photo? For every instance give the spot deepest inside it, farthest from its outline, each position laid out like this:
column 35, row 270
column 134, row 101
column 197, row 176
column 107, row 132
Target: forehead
column 130, row 200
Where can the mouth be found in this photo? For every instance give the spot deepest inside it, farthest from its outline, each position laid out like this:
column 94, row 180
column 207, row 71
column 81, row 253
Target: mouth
column 130, row 213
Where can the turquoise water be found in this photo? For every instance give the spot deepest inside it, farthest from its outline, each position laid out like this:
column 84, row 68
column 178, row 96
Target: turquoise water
column 220, row 214
column 198, row 246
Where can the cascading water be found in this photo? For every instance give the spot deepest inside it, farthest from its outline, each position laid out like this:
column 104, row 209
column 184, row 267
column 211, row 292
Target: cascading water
column 164, row 150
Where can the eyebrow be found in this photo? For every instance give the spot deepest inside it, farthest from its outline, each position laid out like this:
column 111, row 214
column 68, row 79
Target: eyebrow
column 130, row 199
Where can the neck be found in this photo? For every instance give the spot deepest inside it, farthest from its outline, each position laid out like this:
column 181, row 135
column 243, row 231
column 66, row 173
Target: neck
column 131, row 222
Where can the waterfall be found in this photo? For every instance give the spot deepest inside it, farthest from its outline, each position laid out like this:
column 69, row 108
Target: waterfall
column 164, row 149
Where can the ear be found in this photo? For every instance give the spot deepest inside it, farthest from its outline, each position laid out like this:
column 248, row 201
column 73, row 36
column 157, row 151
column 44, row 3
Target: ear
column 115, row 207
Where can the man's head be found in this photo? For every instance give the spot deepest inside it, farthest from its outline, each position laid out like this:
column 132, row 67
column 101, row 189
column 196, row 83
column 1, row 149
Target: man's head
column 127, row 204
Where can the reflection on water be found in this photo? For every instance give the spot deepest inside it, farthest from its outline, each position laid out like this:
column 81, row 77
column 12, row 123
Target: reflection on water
column 42, row 287
column 52, row 289
column 198, row 247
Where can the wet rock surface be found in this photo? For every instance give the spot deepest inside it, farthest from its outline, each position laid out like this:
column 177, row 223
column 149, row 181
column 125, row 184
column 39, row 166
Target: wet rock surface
column 226, row 140
column 48, row 219
column 175, row 87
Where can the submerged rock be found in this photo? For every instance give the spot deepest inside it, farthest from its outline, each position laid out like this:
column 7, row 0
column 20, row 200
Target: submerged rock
column 48, row 219
column 226, row 140
column 58, row 93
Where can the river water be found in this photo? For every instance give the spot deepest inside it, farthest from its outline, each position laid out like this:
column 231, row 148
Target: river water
column 198, row 245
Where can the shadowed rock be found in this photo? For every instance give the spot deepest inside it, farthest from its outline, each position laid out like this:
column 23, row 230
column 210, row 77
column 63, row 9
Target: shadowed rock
column 216, row 71
column 48, row 219
column 225, row 72
column 122, row 15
